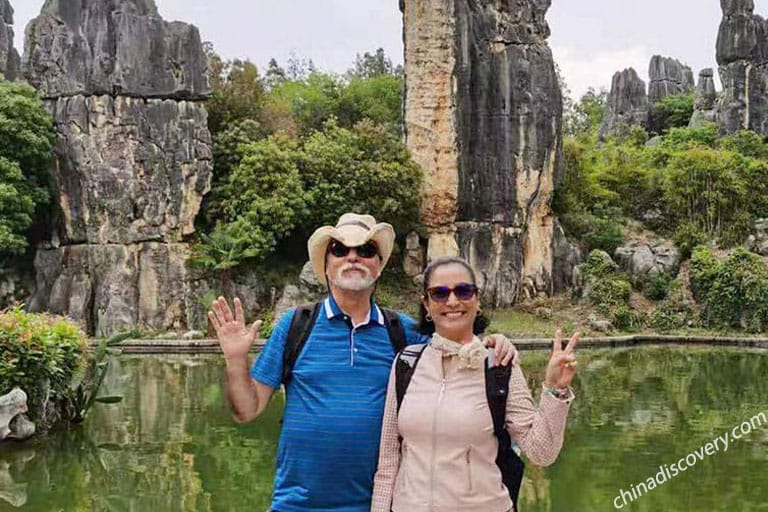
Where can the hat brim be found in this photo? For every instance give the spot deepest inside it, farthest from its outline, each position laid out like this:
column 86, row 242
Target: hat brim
column 382, row 234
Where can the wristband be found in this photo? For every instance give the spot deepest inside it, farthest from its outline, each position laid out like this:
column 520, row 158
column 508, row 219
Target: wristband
column 559, row 393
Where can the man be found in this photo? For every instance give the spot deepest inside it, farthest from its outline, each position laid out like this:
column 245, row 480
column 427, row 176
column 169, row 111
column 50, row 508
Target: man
column 335, row 397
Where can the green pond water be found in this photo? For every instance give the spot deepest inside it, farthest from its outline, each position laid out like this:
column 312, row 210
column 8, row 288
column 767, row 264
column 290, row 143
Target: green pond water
column 171, row 445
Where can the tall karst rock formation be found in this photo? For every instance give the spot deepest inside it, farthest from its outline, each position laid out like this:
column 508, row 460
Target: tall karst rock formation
column 667, row 77
column 627, row 104
column 483, row 116
column 705, row 106
column 9, row 57
column 742, row 57
column 132, row 160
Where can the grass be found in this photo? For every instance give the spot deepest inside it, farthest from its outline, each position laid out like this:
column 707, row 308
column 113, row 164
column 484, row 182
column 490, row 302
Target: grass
column 521, row 324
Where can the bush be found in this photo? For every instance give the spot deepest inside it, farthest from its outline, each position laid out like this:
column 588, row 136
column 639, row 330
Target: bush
column 691, row 183
column 625, row 318
column 734, row 292
column 664, row 319
column 686, row 237
column 704, row 270
column 656, row 286
column 672, row 111
column 610, row 292
column 39, row 349
column 605, row 234
column 599, row 264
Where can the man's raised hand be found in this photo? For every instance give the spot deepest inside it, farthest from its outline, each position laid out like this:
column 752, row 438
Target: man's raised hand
column 234, row 337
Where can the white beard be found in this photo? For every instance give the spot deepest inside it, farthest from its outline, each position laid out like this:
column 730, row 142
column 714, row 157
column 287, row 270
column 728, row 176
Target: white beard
column 356, row 282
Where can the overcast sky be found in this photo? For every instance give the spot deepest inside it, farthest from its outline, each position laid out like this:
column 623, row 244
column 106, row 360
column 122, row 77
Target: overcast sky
column 591, row 39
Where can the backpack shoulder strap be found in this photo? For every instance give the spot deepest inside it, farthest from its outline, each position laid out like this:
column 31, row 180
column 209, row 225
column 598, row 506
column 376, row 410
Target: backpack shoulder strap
column 496, row 391
column 509, row 462
column 395, row 329
column 407, row 359
column 304, row 318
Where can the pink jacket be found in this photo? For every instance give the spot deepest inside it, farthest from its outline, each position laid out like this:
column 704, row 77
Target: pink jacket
column 447, row 459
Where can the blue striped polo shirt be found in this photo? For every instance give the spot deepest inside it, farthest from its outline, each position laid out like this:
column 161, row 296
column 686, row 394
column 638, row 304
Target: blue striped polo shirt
column 329, row 442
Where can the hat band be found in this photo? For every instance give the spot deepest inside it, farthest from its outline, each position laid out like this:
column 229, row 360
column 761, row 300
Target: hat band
column 354, row 223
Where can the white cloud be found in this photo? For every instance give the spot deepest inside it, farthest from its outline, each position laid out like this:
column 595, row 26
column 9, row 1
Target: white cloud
column 584, row 71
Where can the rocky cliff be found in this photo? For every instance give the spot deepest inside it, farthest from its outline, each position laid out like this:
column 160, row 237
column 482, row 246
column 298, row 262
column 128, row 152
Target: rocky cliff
column 742, row 58
column 705, row 106
column 668, row 77
column 9, row 57
column 132, row 160
column 483, row 117
column 627, row 104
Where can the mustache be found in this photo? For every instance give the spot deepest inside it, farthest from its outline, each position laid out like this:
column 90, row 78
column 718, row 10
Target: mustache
column 354, row 266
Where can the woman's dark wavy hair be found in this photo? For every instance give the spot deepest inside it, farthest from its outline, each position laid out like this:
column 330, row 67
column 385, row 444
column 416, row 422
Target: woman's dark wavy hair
column 428, row 326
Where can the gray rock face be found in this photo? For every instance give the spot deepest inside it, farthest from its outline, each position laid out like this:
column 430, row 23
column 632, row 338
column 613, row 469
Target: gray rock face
column 9, row 57
column 758, row 240
column 132, row 162
column 627, row 104
column 108, row 288
column 566, row 257
column 643, row 259
column 307, row 291
column 483, row 118
column 742, row 58
column 413, row 260
column 667, row 77
column 705, row 107
column 135, row 169
column 12, row 405
column 116, row 47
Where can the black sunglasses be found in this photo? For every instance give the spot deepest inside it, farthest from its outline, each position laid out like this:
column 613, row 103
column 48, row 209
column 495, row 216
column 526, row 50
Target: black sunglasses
column 367, row 250
column 463, row 291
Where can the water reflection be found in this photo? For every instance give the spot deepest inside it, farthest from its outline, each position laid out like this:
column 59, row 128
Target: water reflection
column 171, row 445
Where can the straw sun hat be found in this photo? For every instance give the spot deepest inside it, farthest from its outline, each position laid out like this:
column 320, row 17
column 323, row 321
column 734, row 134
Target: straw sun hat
column 352, row 230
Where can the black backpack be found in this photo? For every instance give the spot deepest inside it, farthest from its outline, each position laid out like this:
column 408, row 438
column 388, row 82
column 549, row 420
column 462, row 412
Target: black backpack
column 304, row 319
column 496, row 390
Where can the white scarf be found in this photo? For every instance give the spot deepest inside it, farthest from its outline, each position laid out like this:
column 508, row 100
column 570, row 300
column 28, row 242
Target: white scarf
column 471, row 355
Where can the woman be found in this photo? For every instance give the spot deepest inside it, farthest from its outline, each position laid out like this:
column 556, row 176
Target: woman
column 447, row 458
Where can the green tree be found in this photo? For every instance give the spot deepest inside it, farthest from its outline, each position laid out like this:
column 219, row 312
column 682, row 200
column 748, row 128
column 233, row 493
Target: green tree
column 705, row 187
column 265, row 198
column 238, row 93
column 310, row 101
column 379, row 99
column 219, row 253
column 672, row 111
column 371, row 65
column 26, row 140
column 275, row 74
column 365, row 169
column 584, row 118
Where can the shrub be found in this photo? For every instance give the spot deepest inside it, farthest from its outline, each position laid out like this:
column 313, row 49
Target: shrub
column 625, row 318
column 39, row 349
column 599, row 264
column 664, row 319
column 704, row 270
column 734, row 292
column 605, row 234
column 656, row 286
column 672, row 111
column 686, row 237
column 610, row 292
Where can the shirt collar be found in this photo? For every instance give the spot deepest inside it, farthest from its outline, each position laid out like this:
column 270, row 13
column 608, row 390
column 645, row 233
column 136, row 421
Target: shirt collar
column 332, row 310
